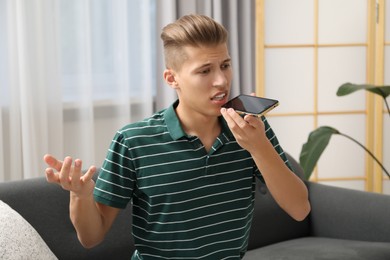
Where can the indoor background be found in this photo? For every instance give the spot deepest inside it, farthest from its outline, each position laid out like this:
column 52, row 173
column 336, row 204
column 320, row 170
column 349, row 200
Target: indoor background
column 72, row 72
column 311, row 47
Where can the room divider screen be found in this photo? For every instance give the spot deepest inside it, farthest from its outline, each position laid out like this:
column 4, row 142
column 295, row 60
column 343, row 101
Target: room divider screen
column 305, row 50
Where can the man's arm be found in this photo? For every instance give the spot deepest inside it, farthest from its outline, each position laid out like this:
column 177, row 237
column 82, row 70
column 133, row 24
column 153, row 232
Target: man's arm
column 91, row 220
column 286, row 188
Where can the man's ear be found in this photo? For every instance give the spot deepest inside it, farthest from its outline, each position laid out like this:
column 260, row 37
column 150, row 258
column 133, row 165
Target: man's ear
column 169, row 77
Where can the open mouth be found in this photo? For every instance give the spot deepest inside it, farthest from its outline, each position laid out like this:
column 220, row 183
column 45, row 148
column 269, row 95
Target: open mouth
column 219, row 97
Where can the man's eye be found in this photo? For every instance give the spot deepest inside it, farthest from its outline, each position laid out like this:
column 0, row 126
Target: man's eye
column 205, row 71
column 226, row 66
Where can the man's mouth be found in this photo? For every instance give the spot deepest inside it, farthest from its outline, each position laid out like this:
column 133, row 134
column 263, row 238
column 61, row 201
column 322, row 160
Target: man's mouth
column 219, row 97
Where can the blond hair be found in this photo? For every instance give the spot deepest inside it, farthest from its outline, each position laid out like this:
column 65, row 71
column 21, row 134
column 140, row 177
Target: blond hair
column 190, row 30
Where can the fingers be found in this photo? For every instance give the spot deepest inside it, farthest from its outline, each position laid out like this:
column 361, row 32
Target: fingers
column 64, row 174
column 76, row 173
column 50, row 176
column 69, row 175
column 234, row 120
column 243, row 128
column 77, row 176
column 233, row 117
column 255, row 122
column 89, row 174
column 52, row 162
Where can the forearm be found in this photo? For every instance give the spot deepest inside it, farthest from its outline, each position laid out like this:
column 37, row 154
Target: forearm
column 287, row 189
column 87, row 220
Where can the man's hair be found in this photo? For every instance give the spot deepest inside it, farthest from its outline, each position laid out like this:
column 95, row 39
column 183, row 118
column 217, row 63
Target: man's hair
column 190, row 30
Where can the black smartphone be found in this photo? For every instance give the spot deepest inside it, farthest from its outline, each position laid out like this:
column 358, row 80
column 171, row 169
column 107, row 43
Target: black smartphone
column 256, row 106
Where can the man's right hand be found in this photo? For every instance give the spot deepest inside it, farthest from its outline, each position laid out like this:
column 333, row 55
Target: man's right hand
column 92, row 220
column 70, row 176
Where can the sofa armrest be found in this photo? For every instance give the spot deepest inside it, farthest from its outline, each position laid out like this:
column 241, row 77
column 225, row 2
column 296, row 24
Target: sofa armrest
column 349, row 214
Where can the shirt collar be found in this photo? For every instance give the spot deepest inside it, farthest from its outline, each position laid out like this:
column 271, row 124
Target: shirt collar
column 173, row 123
column 177, row 132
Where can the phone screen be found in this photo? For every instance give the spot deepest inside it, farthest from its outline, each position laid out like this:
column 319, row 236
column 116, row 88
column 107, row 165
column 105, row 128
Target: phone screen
column 246, row 104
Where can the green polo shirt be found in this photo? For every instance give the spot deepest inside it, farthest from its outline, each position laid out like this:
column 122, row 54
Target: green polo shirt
column 187, row 203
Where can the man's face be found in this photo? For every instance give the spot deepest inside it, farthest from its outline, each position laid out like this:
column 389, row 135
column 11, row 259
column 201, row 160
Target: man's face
column 203, row 81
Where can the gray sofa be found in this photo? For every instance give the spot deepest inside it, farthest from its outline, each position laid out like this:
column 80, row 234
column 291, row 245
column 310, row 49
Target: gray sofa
column 343, row 224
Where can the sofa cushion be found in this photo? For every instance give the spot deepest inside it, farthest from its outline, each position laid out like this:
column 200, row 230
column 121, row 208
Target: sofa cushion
column 18, row 239
column 322, row 248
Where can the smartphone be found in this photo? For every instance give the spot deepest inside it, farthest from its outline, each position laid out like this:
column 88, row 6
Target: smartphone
column 256, row 106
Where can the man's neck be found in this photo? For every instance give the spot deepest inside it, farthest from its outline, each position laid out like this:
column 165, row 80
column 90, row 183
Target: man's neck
column 207, row 128
column 197, row 124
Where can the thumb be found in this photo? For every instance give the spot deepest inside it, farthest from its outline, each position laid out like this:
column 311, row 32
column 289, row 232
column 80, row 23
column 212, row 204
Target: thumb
column 89, row 174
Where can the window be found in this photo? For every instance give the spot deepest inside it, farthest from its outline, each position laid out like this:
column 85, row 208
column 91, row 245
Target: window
column 105, row 47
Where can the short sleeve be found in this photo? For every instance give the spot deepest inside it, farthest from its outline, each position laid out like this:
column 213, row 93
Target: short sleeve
column 116, row 181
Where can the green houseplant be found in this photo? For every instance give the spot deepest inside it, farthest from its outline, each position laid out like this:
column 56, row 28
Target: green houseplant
column 320, row 137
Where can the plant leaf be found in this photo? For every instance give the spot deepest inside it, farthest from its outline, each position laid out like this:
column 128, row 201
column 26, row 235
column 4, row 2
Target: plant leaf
column 313, row 148
column 348, row 88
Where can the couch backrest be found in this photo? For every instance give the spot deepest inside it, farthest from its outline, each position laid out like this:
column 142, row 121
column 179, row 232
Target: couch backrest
column 46, row 207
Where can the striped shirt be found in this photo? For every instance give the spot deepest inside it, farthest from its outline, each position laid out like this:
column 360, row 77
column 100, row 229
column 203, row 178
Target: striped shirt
column 187, row 203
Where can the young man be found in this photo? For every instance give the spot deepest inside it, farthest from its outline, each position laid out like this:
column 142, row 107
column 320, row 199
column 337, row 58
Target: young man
column 189, row 170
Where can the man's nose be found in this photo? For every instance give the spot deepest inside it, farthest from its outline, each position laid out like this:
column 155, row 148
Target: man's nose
column 220, row 79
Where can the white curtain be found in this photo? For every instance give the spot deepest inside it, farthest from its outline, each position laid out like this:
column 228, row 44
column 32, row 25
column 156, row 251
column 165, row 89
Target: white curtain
column 72, row 72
